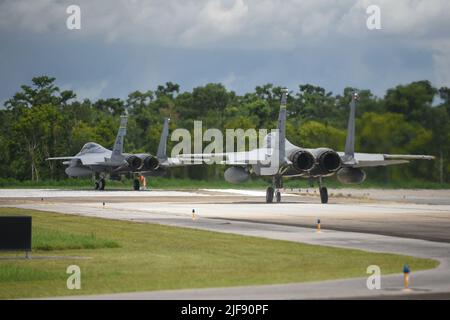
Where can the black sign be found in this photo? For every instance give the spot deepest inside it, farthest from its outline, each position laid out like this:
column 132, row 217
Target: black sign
column 15, row 233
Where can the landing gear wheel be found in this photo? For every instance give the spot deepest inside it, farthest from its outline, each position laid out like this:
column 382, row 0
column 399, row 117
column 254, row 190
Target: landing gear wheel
column 269, row 195
column 136, row 184
column 278, row 196
column 323, row 194
column 101, row 184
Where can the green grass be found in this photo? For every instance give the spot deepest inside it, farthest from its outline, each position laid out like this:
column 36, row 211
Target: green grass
column 255, row 183
column 47, row 239
column 156, row 257
column 10, row 273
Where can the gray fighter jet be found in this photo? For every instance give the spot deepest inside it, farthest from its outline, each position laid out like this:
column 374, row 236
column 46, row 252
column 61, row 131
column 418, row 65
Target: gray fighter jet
column 95, row 160
column 279, row 158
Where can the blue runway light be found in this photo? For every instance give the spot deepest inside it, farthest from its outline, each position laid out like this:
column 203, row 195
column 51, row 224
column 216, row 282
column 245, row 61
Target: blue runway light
column 406, row 268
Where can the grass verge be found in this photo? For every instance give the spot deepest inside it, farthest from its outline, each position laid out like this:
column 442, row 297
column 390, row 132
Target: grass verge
column 254, row 183
column 156, row 257
column 47, row 239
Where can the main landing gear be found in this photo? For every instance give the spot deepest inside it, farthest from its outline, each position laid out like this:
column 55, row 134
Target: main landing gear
column 277, row 184
column 136, row 184
column 323, row 192
column 138, row 181
column 269, row 195
column 274, row 190
column 100, row 183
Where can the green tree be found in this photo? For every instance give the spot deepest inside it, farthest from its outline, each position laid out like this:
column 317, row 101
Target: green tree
column 313, row 134
column 411, row 100
column 41, row 120
column 36, row 128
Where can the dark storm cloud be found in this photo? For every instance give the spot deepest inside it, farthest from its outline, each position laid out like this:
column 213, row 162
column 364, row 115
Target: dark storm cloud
column 128, row 45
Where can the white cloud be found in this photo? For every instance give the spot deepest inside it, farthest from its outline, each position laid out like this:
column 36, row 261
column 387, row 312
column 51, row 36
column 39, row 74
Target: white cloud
column 289, row 25
column 36, row 16
column 215, row 21
column 250, row 23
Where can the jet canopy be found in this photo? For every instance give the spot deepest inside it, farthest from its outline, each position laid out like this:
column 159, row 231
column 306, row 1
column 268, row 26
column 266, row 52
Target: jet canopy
column 91, row 147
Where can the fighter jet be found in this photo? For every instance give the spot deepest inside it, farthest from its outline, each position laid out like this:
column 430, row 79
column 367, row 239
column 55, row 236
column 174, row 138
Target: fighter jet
column 95, row 160
column 279, row 158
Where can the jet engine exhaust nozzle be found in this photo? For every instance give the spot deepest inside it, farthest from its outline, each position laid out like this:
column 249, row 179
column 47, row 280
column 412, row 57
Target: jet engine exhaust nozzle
column 302, row 160
column 151, row 163
column 134, row 162
column 329, row 161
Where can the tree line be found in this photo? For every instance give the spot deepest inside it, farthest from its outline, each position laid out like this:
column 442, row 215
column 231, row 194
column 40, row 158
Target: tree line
column 41, row 121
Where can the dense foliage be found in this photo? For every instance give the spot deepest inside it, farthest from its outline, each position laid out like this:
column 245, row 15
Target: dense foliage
column 41, row 121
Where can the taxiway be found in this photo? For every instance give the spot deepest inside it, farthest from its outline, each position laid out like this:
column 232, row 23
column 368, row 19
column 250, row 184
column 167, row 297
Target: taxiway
column 380, row 223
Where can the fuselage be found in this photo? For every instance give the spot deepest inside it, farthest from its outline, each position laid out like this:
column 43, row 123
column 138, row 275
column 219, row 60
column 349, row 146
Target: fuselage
column 91, row 159
column 300, row 162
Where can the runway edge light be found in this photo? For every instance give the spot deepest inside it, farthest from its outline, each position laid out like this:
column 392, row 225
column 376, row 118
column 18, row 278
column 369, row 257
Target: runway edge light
column 318, row 225
column 406, row 272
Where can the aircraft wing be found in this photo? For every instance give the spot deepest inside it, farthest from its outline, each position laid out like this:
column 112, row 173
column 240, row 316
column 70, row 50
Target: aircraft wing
column 230, row 158
column 94, row 159
column 192, row 158
column 64, row 158
column 361, row 160
column 350, row 158
column 179, row 161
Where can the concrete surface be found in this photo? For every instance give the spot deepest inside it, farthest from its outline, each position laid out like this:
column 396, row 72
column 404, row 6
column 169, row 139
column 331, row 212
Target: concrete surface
column 246, row 214
column 410, row 220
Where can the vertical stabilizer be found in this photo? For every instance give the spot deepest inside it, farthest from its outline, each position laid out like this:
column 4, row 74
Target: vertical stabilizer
column 118, row 145
column 350, row 140
column 162, row 148
column 282, row 127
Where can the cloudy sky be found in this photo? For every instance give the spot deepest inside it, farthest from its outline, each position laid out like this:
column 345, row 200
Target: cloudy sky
column 124, row 45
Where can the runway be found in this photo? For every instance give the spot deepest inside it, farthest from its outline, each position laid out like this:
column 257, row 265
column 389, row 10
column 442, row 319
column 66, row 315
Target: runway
column 359, row 222
column 385, row 212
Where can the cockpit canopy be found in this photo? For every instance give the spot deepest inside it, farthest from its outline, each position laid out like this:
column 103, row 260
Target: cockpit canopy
column 91, row 147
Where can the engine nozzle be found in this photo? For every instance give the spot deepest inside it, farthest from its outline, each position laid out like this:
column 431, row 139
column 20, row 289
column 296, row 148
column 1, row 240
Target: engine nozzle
column 302, row 160
column 329, row 161
column 151, row 163
column 135, row 163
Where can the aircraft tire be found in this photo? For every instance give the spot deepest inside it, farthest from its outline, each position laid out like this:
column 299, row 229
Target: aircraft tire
column 102, row 184
column 278, row 196
column 269, row 195
column 136, row 185
column 323, row 194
